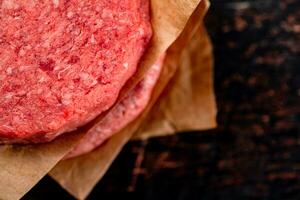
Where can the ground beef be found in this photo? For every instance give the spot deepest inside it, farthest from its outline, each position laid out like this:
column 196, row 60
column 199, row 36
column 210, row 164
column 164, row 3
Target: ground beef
column 122, row 114
column 63, row 62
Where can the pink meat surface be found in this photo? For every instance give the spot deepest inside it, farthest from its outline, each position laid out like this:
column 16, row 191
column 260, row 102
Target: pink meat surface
column 122, row 114
column 63, row 62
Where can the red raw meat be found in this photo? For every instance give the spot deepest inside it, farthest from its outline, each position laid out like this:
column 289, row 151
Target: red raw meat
column 63, row 62
column 122, row 114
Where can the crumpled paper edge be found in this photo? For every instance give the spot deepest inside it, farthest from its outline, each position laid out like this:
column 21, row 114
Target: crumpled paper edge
column 21, row 167
column 79, row 175
column 188, row 104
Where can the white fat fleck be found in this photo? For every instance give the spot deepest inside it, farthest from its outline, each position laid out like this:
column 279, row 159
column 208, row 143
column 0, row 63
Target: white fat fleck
column 7, row 127
column 98, row 23
column 125, row 65
column 47, row 95
column 23, row 68
column 9, row 71
column 9, row 4
column 28, row 47
column 141, row 31
column 21, row 93
column 106, row 14
column 61, row 71
column 53, row 124
column 76, row 31
column 46, row 44
column 88, row 79
column 31, row 4
column 93, row 39
column 83, row 76
column 66, row 99
column 122, row 21
column 57, row 67
column 67, row 96
column 70, row 14
column 22, row 52
column 39, row 91
column 156, row 67
column 9, row 95
column 56, row 3
column 42, row 79
column 94, row 83
column 132, row 106
column 16, row 118
column 29, row 94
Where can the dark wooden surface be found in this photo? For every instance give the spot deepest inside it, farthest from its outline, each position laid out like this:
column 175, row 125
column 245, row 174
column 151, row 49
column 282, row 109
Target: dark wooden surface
column 255, row 152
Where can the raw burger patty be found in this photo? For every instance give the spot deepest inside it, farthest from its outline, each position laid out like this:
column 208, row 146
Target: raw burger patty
column 63, row 62
column 122, row 114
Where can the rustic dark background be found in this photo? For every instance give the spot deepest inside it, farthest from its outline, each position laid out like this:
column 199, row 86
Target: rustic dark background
column 255, row 152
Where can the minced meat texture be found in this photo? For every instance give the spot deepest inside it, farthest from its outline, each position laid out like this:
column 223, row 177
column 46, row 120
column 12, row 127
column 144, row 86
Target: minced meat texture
column 63, row 62
column 122, row 114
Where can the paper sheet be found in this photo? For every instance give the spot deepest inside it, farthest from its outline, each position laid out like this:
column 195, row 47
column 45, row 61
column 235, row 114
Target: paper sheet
column 79, row 175
column 188, row 103
column 21, row 167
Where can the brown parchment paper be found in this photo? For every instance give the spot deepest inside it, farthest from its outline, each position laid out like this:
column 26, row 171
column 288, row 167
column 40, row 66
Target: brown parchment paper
column 189, row 102
column 168, row 19
column 79, row 175
column 21, row 167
